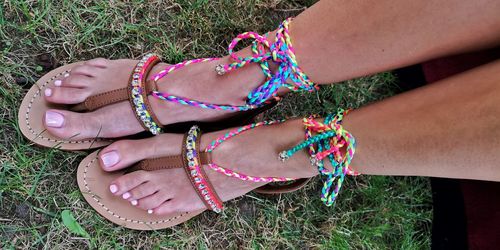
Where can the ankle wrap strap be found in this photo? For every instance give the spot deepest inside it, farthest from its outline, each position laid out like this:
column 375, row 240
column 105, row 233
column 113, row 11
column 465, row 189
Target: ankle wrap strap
column 280, row 52
column 328, row 140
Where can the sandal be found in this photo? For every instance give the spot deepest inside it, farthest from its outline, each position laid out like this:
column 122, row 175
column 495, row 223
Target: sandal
column 34, row 106
column 288, row 74
column 94, row 183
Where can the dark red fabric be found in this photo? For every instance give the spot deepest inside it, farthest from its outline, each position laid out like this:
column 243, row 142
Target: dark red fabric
column 481, row 198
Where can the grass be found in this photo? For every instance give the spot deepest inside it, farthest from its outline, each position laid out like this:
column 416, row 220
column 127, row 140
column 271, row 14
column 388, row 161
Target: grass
column 36, row 184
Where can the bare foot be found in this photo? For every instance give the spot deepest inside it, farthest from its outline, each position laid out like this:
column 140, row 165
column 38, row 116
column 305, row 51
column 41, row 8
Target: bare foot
column 169, row 190
column 198, row 81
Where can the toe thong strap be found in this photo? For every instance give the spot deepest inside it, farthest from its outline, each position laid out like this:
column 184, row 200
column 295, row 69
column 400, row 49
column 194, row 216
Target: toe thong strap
column 100, row 100
column 136, row 93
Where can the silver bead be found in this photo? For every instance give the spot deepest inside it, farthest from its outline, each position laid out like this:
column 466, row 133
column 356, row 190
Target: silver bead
column 194, row 173
column 220, row 69
column 283, row 156
column 314, row 161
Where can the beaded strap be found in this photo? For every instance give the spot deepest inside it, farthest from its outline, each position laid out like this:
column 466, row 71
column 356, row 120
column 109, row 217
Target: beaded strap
column 280, row 52
column 196, row 174
column 138, row 94
column 330, row 139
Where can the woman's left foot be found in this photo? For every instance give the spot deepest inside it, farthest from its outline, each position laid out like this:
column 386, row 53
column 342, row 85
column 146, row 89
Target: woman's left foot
column 168, row 191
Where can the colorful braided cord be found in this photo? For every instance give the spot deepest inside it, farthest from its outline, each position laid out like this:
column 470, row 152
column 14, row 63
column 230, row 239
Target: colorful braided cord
column 215, row 143
column 330, row 137
column 280, row 52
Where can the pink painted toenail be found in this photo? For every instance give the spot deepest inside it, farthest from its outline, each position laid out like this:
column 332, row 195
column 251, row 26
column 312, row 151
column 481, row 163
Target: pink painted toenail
column 113, row 188
column 54, row 119
column 134, row 203
column 109, row 159
column 150, row 211
column 58, row 83
column 48, row 92
column 126, row 195
column 66, row 75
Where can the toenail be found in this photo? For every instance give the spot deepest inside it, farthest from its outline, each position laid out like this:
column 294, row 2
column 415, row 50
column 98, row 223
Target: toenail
column 48, row 92
column 58, row 83
column 113, row 188
column 54, row 119
column 150, row 211
column 109, row 159
column 126, row 195
column 134, row 202
column 66, row 75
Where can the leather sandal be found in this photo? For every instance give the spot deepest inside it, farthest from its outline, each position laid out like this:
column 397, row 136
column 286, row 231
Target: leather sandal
column 94, row 184
column 34, row 106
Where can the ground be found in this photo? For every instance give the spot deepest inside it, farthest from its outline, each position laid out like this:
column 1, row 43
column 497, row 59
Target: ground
column 37, row 184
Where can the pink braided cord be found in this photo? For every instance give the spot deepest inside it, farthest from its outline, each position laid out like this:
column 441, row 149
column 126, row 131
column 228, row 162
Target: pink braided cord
column 215, row 143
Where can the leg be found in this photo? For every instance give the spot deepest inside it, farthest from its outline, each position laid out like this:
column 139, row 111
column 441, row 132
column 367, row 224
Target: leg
column 331, row 44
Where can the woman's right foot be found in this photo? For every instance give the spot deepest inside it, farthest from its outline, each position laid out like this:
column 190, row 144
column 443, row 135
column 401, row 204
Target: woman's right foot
column 198, row 81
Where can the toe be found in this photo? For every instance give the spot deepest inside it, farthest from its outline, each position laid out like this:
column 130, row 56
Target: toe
column 98, row 62
column 85, row 69
column 142, row 191
column 153, row 201
column 108, row 122
column 126, row 183
column 124, row 153
column 75, row 80
column 66, row 95
column 167, row 207
column 70, row 125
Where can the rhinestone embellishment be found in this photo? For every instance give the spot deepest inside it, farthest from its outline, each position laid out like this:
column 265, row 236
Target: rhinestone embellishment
column 220, row 69
column 137, row 93
column 194, row 169
column 283, row 156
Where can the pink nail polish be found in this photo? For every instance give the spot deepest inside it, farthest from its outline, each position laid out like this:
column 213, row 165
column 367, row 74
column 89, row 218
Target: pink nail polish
column 113, row 188
column 134, row 202
column 110, row 158
column 150, row 211
column 48, row 92
column 54, row 119
column 57, row 83
column 126, row 195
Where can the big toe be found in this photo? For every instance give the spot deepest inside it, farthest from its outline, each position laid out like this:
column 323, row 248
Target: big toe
column 111, row 121
column 70, row 125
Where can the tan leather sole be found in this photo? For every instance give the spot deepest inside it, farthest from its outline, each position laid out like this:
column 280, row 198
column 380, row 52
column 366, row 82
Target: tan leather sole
column 32, row 112
column 94, row 185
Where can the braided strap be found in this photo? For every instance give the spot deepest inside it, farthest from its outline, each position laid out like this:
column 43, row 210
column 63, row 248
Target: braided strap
column 280, row 52
column 228, row 172
column 138, row 95
column 325, row 140
column 196, row 174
